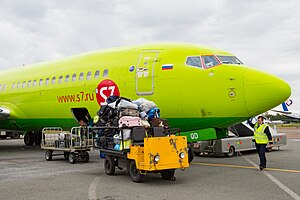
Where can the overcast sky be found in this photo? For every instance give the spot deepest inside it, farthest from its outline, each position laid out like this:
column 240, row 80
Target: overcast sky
column 263, row 34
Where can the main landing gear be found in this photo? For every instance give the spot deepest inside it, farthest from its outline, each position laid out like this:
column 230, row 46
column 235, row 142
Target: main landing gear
column 32, row 138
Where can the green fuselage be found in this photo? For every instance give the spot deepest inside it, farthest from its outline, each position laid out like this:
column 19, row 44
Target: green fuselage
column 189, row 97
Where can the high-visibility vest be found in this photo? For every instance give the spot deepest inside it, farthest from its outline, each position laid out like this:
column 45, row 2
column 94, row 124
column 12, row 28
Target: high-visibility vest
column 96, row 119
column 259, row 134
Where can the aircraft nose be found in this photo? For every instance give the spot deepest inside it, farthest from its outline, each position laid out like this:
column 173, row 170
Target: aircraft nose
column 264, row 91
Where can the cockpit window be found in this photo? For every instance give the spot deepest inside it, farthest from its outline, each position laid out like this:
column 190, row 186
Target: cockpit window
column 210, row 61
column 229, row 60
column 193, row 61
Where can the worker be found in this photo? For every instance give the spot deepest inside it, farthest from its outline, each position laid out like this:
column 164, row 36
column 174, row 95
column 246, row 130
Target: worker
column 262, row 137
column 82, row 132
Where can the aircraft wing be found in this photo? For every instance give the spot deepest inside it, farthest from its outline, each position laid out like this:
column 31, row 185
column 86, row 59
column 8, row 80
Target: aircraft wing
column 4, row 113
column 283, row 112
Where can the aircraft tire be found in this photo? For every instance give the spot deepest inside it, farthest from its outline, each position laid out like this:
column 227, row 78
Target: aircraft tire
column 29, row 138
column 38, row 138
column 15, row 135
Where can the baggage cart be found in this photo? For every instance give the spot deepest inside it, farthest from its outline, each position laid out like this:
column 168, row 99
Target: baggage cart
column 148, row 150
column 73, row 145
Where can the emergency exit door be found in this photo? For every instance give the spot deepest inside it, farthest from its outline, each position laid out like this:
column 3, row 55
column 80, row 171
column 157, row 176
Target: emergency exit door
column 145, row 72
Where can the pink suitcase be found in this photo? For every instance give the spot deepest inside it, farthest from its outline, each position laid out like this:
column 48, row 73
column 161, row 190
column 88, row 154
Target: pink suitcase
column 128, row 121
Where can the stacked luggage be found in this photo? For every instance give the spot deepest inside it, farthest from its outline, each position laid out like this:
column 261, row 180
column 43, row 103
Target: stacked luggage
column 125, row 114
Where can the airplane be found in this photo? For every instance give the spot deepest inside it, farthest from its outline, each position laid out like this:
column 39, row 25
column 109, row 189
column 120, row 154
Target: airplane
column 286, row 112
column 195, row 87
column 278, row 122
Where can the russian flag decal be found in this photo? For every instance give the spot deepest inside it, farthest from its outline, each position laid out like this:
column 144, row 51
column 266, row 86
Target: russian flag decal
column 167, row 67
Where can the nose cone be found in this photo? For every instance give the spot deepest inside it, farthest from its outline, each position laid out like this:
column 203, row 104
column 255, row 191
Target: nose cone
column 263, row 91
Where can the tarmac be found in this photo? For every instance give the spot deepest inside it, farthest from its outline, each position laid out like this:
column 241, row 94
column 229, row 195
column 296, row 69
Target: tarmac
column 25, row 174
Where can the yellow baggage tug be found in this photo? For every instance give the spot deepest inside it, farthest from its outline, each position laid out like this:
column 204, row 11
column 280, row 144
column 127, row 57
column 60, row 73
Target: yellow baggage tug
column 154, row 149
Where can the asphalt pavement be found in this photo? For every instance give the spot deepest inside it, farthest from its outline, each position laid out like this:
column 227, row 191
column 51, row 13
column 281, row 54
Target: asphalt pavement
column 25, row 174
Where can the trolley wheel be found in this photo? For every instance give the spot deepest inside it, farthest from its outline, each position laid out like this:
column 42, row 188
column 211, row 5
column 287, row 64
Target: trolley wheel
column 109, row 165
column 66, row 155
column 48, row 155
column 168, row 174
column 85, row 157
column 134, row 173
column 72, row 158
column 191, row 155
column 231, row 152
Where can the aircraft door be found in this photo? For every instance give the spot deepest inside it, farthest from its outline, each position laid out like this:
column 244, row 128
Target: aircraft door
column 81, row 114
column 145, row 72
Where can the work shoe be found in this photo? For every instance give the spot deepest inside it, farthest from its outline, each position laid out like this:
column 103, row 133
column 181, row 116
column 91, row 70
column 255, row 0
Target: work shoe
column 261, row 168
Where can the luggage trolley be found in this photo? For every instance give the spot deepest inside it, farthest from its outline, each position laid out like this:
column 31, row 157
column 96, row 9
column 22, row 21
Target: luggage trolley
column 147, row 150
column 73, row 144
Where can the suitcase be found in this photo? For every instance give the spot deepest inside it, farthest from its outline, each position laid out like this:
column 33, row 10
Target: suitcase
column 159, row 122
column 128, row 121
column 129, row 112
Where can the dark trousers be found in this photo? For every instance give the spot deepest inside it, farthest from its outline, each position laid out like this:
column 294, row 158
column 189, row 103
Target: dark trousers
column 261, row 150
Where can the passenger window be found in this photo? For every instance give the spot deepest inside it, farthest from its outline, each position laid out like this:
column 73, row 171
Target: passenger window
column 67, row 78
column 88, row 76
column 74, row 77
column 13, row 86
column 81, row 76
column 193, row 61
column 19, row 84
column 60, row 79
column 97, row 73
column 29, row 83
column 53, row 80
column 41, row 82
column 210, row 61
column 24, row 84
column 34, row 83
column 47, row 81
column 105, row 73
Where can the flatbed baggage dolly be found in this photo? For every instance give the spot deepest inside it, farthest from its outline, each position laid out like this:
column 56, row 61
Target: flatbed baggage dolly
column 143, row 150
column 73, row 145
